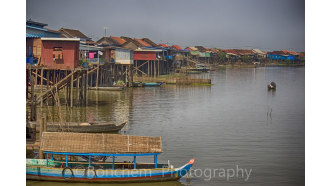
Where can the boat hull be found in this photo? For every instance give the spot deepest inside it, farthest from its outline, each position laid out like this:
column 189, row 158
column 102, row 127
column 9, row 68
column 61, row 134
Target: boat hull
column 151, row 84
column 43, row 173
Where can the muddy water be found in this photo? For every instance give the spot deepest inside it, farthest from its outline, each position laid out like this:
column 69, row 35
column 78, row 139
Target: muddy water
column 239, row 132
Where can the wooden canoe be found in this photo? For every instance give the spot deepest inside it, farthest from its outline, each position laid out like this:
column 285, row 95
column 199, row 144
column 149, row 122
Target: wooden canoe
column 84, row 127
column 152, row 84
column 107, row 88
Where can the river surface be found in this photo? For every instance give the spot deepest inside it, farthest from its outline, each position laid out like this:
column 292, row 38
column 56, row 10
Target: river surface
column 232, row 128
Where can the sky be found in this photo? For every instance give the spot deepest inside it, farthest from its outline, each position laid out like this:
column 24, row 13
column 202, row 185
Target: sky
column 264, row 24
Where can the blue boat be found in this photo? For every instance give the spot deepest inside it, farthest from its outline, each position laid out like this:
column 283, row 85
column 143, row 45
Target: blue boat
column 93, row 151
column 152, row 84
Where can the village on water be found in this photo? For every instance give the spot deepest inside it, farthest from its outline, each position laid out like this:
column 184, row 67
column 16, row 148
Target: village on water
column 63, row 66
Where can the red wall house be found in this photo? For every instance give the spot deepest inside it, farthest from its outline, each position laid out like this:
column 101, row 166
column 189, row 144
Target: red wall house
column 144, row 55
column 60, row 53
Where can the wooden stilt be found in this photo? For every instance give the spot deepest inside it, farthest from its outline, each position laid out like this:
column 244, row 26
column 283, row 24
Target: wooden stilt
column 97, row 76
column 85, row 87
column 33, row 101
column 77, row 88
column 71, row 92
column 41, row 130
column 155, row 71
column 48, row 79
column 158, row 67
column 36, row 78
column 54, row 81
column 130, row 75
column 149, row 68
column 42, row 84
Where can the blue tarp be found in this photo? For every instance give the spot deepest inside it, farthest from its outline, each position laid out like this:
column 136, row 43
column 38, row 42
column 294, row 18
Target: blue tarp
column 29, row 60
column 168, row 57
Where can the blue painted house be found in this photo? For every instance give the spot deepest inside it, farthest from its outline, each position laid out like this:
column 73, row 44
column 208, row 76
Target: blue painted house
column 281, row 55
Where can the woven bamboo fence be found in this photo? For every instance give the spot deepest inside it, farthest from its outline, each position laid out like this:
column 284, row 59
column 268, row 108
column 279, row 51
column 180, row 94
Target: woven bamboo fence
column 99, row 143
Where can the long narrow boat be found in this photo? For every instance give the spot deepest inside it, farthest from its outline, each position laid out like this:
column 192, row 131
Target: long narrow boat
column 107, row 88
column 67, row 145
column 84, row 127
column 151, row 84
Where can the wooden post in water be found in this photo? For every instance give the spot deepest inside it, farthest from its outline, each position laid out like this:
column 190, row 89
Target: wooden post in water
column 149, row 68
column 158, row 67
column 33, row 100
column 87, row 79
column 48, row 79
column 97, row 76
column 130, row 76
column 71, row 91
column 85, row 87
column 155, row 71
column 42, row 128
column 77, row 87
column 42, row 84
column 82, row 92
column 54, row 82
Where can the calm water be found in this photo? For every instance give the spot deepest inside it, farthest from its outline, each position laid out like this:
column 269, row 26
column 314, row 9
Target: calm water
column 236, row 123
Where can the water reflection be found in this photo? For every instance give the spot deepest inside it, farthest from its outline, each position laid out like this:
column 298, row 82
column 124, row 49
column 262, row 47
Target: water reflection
column 41, row 183
column 236, row 121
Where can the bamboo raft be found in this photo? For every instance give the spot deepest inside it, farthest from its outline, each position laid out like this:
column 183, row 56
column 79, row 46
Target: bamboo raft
column 83, row 127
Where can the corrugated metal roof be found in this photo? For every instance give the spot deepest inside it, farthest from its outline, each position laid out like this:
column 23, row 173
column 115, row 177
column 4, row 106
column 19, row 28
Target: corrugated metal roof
column 147, row 40
column 74, row 33
column 35, row 35
column 163, row 45
column 119, row 40
column 192, row 48
column 143, row 43
column 37, row 28
column 177, row 47
column 148, row 50
column 59, row 39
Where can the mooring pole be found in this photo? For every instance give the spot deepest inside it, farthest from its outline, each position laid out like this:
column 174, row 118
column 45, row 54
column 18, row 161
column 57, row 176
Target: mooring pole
column 97, row 76
column 71, row 90
column 42, row 84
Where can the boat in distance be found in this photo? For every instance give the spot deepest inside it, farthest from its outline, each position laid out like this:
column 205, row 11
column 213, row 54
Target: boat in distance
column 152, row 84
column 84, row 127
column 107, row 88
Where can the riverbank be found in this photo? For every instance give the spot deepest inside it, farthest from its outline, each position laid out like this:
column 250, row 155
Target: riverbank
column 244, row 65
column 176, row 78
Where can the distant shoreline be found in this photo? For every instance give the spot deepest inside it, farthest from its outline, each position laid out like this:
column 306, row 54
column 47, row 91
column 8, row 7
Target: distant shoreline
column 259, row 65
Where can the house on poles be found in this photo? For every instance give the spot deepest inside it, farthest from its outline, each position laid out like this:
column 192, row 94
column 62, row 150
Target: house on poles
column 45, row 47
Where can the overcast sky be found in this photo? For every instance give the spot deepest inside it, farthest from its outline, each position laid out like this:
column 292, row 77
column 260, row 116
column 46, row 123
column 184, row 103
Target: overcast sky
column 263, row 24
